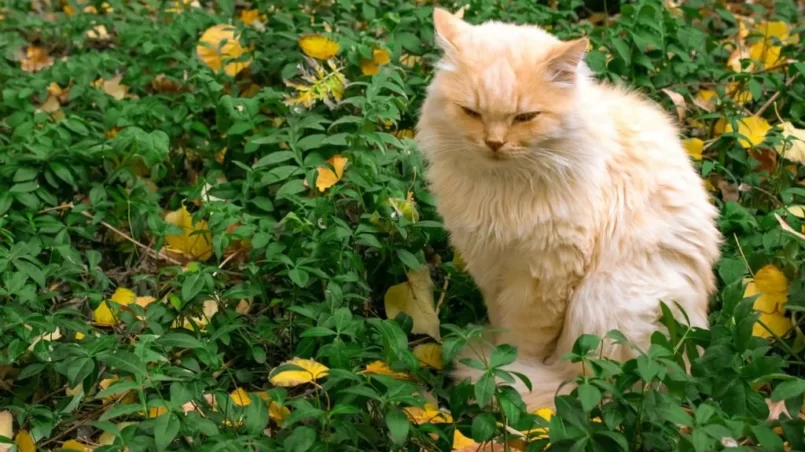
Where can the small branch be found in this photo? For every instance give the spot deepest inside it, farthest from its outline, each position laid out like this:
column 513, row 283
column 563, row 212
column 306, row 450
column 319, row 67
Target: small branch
column 443, row 294
column 776, row 95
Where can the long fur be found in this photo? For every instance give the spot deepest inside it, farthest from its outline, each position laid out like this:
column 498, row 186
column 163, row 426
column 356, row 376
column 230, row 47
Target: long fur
column 586, row 218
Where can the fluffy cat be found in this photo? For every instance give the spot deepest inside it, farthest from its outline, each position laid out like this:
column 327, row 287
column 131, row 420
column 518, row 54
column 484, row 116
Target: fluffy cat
column 573, row 203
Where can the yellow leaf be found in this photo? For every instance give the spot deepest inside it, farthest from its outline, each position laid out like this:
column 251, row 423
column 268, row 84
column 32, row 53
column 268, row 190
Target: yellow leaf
column 123, row 296
column 779, row 30
column 415, row 298
column 368, row 67
column 770, row 279
column 694, row 146
column 410, row 60
column 753, row 129
column 794, row 150
column 765, row 52
column 327, row 178
column 797, row 211
column 381, row 57
column 250, row 16
column 24, row 442
column 319, row 47
column 105, row 314
column 212, row 53
column 679, row 102
column 108, row 438
column 429, row 355
column 79, row 336
column 155, row 412
column 129, row 397
column 540, row 432
column 75, row 445
column 381, row 368
column 35, row 59
column 240, row 397
column 740, row 96
column 275, row 411
column 97, row 32
column 311, row 371
column 113, row 87
column 208, row 310
column 460, row 441
column 144, row 301
column 776, row 322
column 405, row 208
column 430, row 414
column 195, row 242
column 458, row 261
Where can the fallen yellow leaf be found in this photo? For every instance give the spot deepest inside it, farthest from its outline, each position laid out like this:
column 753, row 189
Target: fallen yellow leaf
column 209, row 308
column 460, row 441
column 794, row 150
column 779, row 30
column 113, row 87
column 129, row 397
column 212, row 53
column 98, row 32
column 415, row 298
column 429, row 355
column 144, row 301
column 767, row 53
column 327, row 178
column 195, row 242
column 311, row 371
column 381, row 57
column 410, row 60
column 319, row 47
column 75, row 445
column 35, row 59
column 368, row 67
column 240, row 397
column 105, row 314
column 430, row 414
column 24, row 442
column 6, row 425
column 108, row 438
column 275, row 411
column 251, row 17
column 381, row 368
column 772, row 285
column 753, row 129
column 694, row 147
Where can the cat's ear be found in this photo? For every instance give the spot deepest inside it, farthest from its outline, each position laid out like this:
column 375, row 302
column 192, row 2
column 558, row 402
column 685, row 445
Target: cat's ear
column 564, row 61
column 448, row 27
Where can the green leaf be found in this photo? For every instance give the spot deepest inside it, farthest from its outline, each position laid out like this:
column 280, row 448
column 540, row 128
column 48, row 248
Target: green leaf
column 484, row 389
column 589, row 395
column 503, row 355
column 300, row 440
column 166, row 427
column 256, row 416
column 122, row 410
column 192, row 286
column 398, row 425
column 274, row 158
column 408, row 259
column 127, row 362
column 788, row 389
column 179, row 340
column 483, row 427
column 79, row 369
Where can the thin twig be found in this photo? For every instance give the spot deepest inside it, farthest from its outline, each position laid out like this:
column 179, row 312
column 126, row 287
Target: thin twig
column 776, row 95
column 146, row 248
column 443, row 294
column 743, row 256
column 226, row 261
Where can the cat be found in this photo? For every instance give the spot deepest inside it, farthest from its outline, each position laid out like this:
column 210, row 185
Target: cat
column 573, row 203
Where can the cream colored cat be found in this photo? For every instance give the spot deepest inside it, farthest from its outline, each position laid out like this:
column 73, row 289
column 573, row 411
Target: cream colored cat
column 573, row 203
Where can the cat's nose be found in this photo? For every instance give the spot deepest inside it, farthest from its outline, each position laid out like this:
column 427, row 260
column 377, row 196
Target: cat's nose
column 494, row 145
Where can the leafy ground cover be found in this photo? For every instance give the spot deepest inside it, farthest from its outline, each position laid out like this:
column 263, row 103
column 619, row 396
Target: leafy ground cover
column 214, row 233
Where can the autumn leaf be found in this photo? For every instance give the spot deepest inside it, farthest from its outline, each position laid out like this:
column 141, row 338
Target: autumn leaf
column 106, row 314
column 112, row 87
column 405, row 207
column 679, row 102
column 779, row 30
column 327, row 178
column 6, row 428
column 318, row 84
column 319, row 47
column 24, row 442
column 772, row 286
column 310, row 371
column 381, row 57
column 240, row 397
column 430, row 414
column 212, row 53
column 208, row 309
column 195, row 242
column 275, row 411
column 694, row 147
column 129, row 397
column 415, row 298
column 410, row 61
column 429, row 355
column 108, row 438
column 98, row 32
column 253, row 18
column 793, row 145
column 461, row 442
column 368, row 67
column 35, row 59
column 75, row 445
column 381, row 368
column 753, row 129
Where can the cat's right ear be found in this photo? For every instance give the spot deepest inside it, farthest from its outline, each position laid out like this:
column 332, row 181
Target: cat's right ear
column 448, row 27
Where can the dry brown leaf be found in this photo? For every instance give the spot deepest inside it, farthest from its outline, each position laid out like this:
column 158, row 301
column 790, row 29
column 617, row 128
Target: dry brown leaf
column 679, row 102
column 35, row 59
column 113, row 87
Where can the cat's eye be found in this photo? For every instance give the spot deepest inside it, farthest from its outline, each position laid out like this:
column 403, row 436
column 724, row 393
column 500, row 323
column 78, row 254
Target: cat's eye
column 524, row 117
column 471, row 113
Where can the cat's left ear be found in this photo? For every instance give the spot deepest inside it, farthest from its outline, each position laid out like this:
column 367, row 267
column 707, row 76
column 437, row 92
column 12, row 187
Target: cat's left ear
column 564, row 62
column 448, row 27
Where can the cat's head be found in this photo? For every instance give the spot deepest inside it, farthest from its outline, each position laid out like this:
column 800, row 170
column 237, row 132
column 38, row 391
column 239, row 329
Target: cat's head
column 500, row 90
